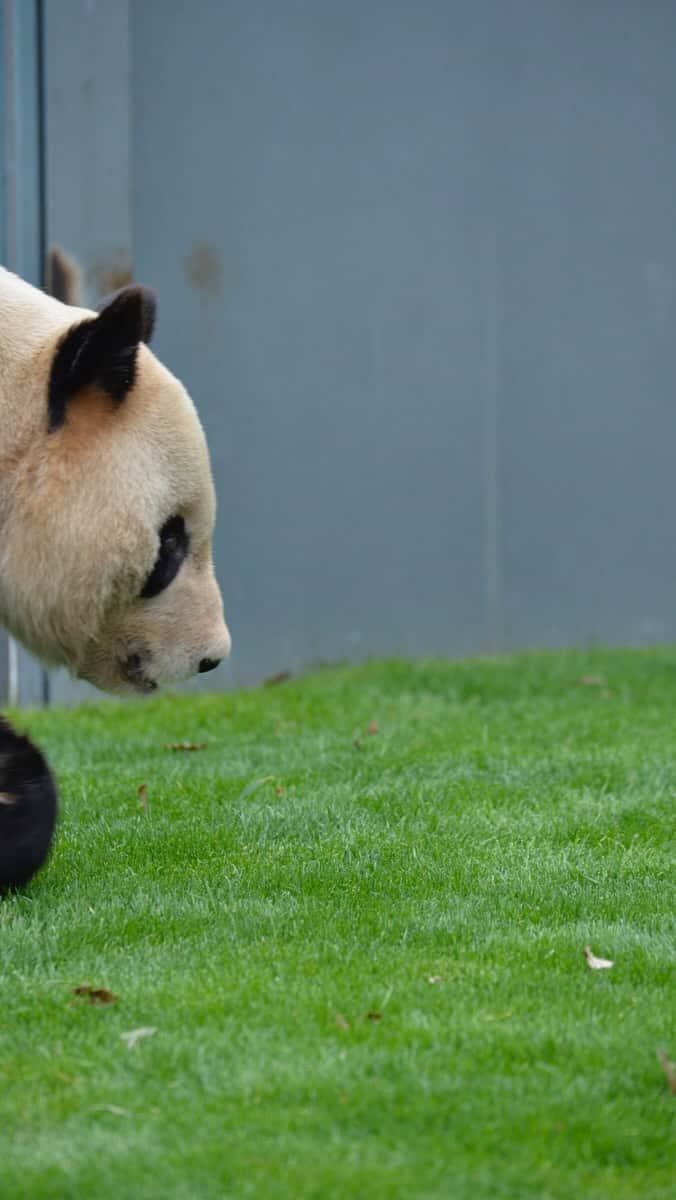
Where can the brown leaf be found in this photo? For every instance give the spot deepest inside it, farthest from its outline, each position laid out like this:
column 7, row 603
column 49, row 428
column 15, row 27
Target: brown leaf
column 597, row 964
column 280, row 677
column 279, row 791
column 592, row 681
column 374, row 1016
column 372, row 729
column 435, row 979
column 190, row 746
column 669, row 1069
column 142, row 794
column 101, row 996
column 341, row 1022
column 95, row 995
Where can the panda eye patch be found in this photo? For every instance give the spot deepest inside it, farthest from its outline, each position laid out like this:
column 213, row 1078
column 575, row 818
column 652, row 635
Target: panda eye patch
column 174, row 543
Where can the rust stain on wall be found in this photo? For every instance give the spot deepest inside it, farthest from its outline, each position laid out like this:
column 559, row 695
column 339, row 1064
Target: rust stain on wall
column 110, row 272
column 203, row 270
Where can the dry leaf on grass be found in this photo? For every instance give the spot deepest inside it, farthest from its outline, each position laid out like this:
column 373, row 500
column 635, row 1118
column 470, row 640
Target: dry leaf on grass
column 279, row 791
column 110, row 1108
column 597, row 964
column 189, row 746
column 280, row 677
column 592, row 681
column 370, row 731
column 142, row 794
column 95, row 995
column 669, row 1069
column 341, row 1022
column 135, row 1035
column 374, row 1016
column 435, row 979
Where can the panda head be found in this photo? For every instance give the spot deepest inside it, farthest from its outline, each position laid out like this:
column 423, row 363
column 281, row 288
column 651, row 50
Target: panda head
column 109, row 509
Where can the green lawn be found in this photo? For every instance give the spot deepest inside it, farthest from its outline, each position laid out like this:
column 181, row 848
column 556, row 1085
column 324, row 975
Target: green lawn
column 276, row 914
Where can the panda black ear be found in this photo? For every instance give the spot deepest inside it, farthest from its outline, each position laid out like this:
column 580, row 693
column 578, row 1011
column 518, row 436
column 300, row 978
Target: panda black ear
column 101, row 350
column 148, row 307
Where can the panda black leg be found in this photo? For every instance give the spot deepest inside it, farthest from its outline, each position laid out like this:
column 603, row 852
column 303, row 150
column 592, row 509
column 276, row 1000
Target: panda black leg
column 28, row 805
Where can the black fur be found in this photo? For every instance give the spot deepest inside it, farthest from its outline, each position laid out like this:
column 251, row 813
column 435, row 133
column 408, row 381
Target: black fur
column 101, row 350
column 28, row 808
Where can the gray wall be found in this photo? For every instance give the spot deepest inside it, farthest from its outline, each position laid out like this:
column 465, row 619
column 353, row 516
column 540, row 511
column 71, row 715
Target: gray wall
column 435, row 343
column 417, row 265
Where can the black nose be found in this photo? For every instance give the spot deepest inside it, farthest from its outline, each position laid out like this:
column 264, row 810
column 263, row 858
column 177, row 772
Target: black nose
column 208, row 664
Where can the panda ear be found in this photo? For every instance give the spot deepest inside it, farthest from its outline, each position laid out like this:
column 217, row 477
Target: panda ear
column 148, row 307
column 101, row 350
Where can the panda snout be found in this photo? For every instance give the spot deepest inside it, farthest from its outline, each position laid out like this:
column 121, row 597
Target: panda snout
column 146, row 664
column 208, row 664
column 215, row 651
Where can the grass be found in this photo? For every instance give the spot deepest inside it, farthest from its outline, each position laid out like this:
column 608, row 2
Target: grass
column 283, row 883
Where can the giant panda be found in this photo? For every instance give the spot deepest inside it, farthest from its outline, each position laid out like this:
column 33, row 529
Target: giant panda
column 107, row 512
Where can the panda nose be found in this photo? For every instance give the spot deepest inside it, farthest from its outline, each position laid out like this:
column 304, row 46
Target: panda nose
column 208, row 664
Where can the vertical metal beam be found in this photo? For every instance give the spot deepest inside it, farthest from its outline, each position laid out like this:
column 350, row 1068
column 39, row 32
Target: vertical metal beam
column 22, row 172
